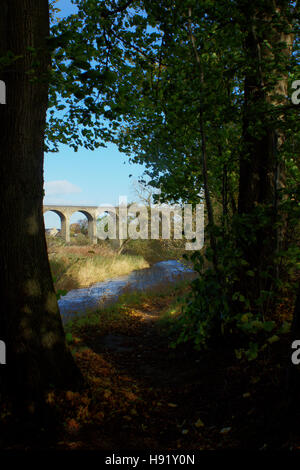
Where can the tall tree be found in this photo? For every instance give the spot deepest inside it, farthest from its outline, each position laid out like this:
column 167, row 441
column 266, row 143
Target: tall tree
column 268, row 40
column 30, row 322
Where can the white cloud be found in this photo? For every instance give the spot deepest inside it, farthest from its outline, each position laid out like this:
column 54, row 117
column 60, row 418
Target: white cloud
column 60, row 187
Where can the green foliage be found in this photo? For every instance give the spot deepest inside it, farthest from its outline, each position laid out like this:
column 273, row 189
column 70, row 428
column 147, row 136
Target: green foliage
column 69, row 338
column 222, row 303
column 206, row 310
column 60, row 293
column 163, row 80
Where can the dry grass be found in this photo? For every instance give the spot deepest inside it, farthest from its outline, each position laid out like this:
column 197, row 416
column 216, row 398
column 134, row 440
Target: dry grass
column 56, row 246
column 87, row 271
column 76, row 266
column 80, row 264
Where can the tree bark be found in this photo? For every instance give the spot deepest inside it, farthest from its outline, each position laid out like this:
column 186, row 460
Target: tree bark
column 30, row 322
column 268, row 50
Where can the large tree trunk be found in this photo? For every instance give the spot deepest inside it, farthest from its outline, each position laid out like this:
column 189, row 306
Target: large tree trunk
column 268, row 50
column 30, row 322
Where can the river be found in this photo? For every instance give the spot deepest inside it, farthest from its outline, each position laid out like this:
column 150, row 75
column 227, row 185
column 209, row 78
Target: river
column 77, row 302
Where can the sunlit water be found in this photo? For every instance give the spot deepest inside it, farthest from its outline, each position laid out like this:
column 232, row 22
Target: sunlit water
column 79, row 301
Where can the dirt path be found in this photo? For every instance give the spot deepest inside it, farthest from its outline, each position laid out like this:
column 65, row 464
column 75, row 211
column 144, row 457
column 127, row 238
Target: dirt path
column 172, row 387
column 143, row 395
column 175, row 399
column 140, row 394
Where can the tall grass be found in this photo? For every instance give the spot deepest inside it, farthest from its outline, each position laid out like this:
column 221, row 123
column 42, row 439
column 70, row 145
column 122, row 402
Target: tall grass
column 156, row 250
column 71, row 272
column 77, row 265
column 99, row 268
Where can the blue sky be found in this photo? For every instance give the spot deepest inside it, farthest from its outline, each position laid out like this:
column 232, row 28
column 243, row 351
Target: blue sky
column 86, row 177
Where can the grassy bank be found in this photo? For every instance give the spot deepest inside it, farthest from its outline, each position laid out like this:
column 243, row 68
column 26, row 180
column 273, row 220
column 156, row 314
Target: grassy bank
column 79, row 264
column 75, row 266
column 167, row 299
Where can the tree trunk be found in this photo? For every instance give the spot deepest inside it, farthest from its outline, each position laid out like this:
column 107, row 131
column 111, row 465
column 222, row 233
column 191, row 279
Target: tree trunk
column 268, row 50
column 30, row 322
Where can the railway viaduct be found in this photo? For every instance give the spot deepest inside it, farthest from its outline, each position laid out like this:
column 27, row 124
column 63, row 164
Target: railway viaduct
column 91, row 212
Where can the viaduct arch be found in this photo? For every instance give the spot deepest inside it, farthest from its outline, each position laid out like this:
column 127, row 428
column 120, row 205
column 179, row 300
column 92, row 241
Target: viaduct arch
column 91, row 212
